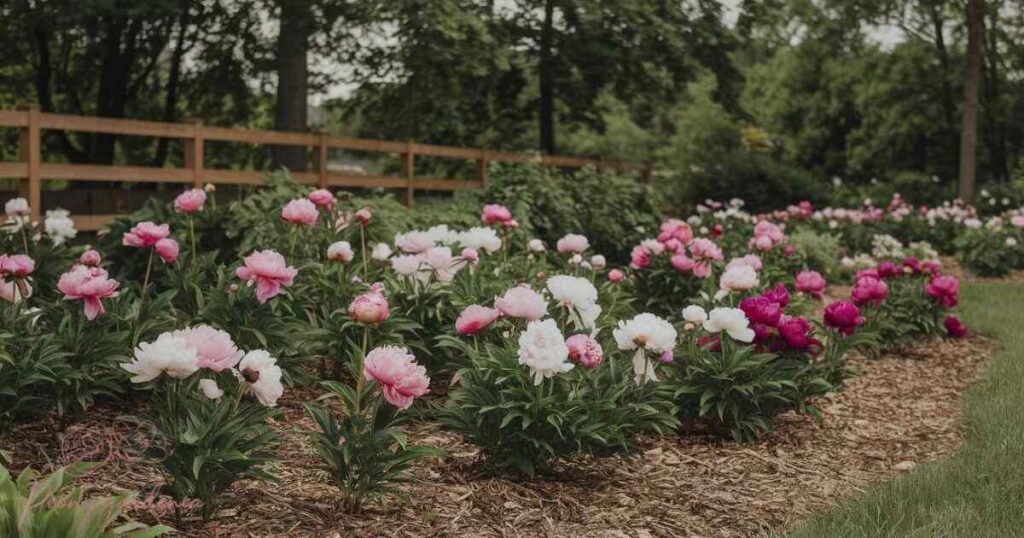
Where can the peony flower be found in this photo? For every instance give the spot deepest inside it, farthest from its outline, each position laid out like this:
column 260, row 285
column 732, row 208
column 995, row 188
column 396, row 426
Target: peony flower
column 300, row 211
column 381, row 252
column 371, row 307
column 751, row 260
column 535, row 245
column 584, row 350
column 17, row 265
column 944, row 289
column 414, row 242
column 761, row 310
column 470, row 255
column 89, row 284
column 262, row 375
column 811, row 283
column 843, row 316
column 167, row 249
column 680, row 262
column 443, row 263
column 542, row 348
column 869, row 290
column 364, row 216
column 579, row 296
column 738, row 278
column 616, row 275
column 954, row 327
column 731, row 320
column 214, row 348
column 341, row 252
column 167, row 354
column 640, row 257
column 480, row 238
column 796, row 333
column 573, row 243
column 269, row 271
column 522, row 302
column 90, row 258
column 59, row 226
column 210, row 389
column 16, row 207
column 674, row 229
column 598, row 262
column 408, row 264
column 495, row 213
column 145, row 235
column 778, row 294
column 15, row 292
column 190, row 201
column 475, row 318
column 321, row 198
column 401, row 379
column 704, row 253
column 888, row 270
column 645, row 332
column 694, row 314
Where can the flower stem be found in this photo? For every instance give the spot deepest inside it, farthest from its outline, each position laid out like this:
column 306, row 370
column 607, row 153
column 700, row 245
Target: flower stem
column 192, row 233
column 24, row 238
column 362, row 244
column 145, row 284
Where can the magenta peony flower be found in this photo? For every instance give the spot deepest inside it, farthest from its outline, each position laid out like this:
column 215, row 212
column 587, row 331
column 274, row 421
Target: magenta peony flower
column 954, row 327
column 321, row 198
column 616, row 275
column 944, row 289
column 90, row 258
column 913, row 264
column 843, row 316
column 89, row 284
column 931, row 268
column 584, row 350
column 869, row 290
column 760, row 310
column 888, row 270
column 300, row 211
column 190, row 201
column 371, row 307
column 789, row 250
column 145, row 235
column 475, row 318
column 811, row 283
column 214, row 348
column 778, row 294
column 401, row 379
column 522, row 302
column 495, row 213
column 796, row 333
column 17, row 265
column 167, row 249
column 866, row 272
column 269, row 271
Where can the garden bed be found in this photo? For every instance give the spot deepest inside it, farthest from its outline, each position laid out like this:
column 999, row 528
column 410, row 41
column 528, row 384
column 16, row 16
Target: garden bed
column 900, row 411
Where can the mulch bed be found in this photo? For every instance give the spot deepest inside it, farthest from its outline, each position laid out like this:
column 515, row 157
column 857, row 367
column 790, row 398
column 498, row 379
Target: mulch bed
column 902, row 410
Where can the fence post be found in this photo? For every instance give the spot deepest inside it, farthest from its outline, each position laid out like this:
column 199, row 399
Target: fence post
column 194, row 154
column 409, row 171
column 482, row 169
column 321, row 159
column 29, row 145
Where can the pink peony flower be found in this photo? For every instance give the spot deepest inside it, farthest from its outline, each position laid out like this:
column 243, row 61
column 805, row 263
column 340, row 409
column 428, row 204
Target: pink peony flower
column 761, row 310
column 811, row 283
column 145, row 235
column 167, row 249
column 190, row 201
column 843, row 316
column 796, row 333
column 321, row 198
column 705, row 249
column 584, row 350
column 371, row 307
column 680, row 262
column 869, row 290
column 1017, row 221
column 495, row 213
column 944, row 289
column 89, row 284
column 616, row 275
column 778, row 294
column 666, row 356
column 470, row 255
column 364, row 216
column 269, row 271
column 750, row 260
column 17, row 265
column 954, row 327
column 522, row 302
column 214, row 348
column 300, row 211
column 888, row 270
column 789, row 250
column 15, row 292
column 401, row 379
column 572, row 243
column 913, row 264
column 90, row 258
column 475, row 318
column 640, row 257
column 675, row 229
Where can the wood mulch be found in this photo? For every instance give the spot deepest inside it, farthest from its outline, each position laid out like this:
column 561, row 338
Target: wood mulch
column 901, row 410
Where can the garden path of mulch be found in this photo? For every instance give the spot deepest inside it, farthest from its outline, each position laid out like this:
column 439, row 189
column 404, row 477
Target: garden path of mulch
column 902, row 410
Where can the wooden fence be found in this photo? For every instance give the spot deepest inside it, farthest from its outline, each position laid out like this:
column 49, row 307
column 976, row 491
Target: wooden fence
column 31, row 170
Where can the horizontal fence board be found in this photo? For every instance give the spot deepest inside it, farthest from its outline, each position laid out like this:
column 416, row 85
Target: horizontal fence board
column 361, row 144
column 114, row 126
column 445, row 184
column 366, row 182
column 13, row 118
column 251, row 136
column 448, row 151
column 13, row 170
column 99, row 172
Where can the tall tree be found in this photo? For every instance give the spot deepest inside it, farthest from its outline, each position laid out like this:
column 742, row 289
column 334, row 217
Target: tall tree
column 296, row 26
column 972, row 80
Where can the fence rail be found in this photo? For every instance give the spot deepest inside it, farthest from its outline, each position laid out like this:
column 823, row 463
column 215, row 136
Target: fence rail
column 31, row 170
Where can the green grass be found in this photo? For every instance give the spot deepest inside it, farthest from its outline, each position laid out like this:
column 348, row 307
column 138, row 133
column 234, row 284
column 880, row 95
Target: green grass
column 979, row 491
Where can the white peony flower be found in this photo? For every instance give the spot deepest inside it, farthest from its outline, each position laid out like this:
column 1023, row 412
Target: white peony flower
column 59, row 226
column 738, row 278
column 381, row 252
column 260, row 371
column 731, row 320
column 167, row 354
column 414, row 242
column 536, row 245
column 542, row 348
column 210, row 389
column 598, row 262
column 340, row 251
column 578, row 295
column 694, row 314
column 16, row 207
column 480, row 238
column 1011, row 242
column 407, row 264
column 645, row 332
column 441, row 234
column 444, row 265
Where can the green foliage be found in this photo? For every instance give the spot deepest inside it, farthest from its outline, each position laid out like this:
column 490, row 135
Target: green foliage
column 907, row 314
column 990, row 253
column 818, row 251
column 33, row 506
column 758, row 179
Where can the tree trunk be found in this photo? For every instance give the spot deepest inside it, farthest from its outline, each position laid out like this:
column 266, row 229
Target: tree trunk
column 969, row 132
column 995, row 120
column 546, row 80
column 173, row 80
column 296, row 25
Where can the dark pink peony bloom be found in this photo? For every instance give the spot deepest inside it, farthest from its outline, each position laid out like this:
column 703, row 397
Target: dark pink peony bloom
column 843, row 316
column 869, row 290
column 760, row 310
column 945, row 290
column 954, row 327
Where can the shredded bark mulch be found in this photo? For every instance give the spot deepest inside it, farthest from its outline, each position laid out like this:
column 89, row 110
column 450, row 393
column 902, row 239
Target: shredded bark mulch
column 900, row 411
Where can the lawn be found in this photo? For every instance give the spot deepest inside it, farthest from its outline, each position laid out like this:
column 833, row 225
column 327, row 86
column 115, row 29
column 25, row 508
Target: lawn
column 980, row 491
